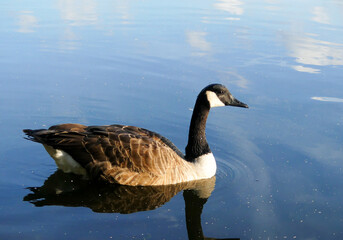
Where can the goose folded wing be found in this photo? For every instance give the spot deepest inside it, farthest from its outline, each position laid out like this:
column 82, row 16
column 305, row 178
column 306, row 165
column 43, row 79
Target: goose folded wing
column 121, row 154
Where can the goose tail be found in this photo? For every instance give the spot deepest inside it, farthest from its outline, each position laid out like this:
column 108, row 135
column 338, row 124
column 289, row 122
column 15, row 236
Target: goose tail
column 34, row 135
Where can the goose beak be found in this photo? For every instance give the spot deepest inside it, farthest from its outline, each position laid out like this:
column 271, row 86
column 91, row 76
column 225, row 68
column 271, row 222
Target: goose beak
column 237, row 103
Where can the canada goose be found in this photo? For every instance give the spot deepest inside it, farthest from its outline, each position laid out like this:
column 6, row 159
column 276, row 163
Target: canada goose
column 135, row 156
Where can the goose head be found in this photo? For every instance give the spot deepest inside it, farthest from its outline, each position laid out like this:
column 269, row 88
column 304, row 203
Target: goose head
column 218, row 95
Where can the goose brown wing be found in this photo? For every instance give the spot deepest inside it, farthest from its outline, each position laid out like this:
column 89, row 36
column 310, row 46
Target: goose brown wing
column 130, row 155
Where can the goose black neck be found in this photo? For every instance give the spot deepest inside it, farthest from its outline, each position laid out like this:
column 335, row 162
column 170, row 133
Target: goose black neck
column 197, row 144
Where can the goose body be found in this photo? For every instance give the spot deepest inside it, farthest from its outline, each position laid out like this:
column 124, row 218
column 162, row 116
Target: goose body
column 134, row 156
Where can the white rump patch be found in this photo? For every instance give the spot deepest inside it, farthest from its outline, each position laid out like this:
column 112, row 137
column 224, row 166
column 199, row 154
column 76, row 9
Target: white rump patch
column 65, row 162
column 214, row 100
column 205, row 166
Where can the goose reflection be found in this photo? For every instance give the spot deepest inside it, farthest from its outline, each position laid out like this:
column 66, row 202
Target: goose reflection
column 63, row 189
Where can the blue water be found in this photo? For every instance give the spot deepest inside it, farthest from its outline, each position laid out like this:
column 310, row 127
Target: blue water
column 143, row 63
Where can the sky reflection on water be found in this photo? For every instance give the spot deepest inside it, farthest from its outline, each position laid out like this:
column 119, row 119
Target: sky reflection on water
column 142, row 63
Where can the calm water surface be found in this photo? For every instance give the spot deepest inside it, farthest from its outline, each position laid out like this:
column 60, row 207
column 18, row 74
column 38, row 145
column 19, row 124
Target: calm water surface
column 143, row 63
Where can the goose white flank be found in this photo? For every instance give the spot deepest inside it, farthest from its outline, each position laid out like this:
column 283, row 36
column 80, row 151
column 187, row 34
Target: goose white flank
column 135, row 156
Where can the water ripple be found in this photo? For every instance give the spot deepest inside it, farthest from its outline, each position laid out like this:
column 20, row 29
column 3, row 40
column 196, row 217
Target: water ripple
column 232, row 169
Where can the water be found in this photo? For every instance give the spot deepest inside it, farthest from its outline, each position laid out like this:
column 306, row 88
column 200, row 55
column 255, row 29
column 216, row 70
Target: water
column 143, row 63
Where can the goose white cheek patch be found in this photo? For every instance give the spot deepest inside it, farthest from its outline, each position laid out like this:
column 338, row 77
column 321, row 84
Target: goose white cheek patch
column 214, row 100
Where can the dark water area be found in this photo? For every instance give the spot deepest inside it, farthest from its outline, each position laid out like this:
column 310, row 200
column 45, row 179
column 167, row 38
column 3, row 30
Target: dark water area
column 143, row 63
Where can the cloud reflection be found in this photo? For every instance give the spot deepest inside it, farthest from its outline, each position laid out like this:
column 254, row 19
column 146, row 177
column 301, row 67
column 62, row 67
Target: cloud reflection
column 27, row 22
column 69, row 40
column 233, row 7
column 328, row 99
column 78, row 12
column 300, row 68
column 197, row 40
column 310, row 51
column 320, row 15
column 234, row 78
column 75, row 13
